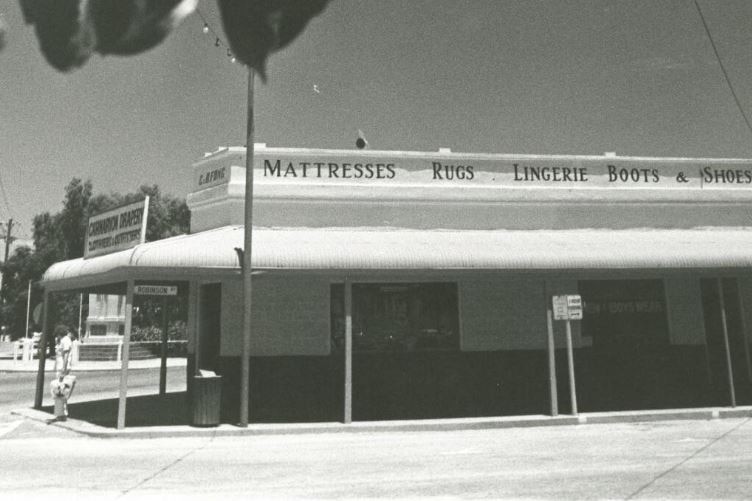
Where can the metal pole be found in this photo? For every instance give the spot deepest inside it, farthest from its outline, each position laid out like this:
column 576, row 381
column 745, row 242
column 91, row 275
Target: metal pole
column 126, row 355
column 28, row 309
column 42, row 351
column 348, row 352
column 570, row 362
column 197, row 330
column 80, row 313
column 163, row 365
column 245, row 356
column 552, row 364
column 8, row 240
column 732, row 393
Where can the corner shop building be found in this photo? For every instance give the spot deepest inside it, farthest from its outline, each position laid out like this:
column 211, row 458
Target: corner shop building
column 446, row 263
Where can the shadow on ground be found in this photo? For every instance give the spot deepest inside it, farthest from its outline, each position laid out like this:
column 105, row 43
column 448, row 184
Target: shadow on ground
column 170, row 409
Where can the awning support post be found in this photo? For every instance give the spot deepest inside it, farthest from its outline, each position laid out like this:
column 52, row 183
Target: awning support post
column 552, row 364
column 570, row 362
column 42, row 351
column 724, row 323
column 126, row 355
column 196, row 302
column 163, row 350
column 348, row 352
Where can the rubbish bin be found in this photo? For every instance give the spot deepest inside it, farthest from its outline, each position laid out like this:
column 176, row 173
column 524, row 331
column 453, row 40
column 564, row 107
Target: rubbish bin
column 207, row 393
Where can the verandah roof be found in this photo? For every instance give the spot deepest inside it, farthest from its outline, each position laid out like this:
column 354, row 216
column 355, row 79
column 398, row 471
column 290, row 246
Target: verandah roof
column 213, row 252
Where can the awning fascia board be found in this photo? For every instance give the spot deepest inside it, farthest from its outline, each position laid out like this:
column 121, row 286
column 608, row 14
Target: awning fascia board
column 122, row 274
column 383, row 251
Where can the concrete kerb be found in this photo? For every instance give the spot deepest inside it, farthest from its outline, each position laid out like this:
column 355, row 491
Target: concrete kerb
column 227, row 430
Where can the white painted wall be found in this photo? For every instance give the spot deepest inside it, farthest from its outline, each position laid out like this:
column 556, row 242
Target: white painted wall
column 685, row 316
column 290, row 316
column 502, row 314
column 495, row 196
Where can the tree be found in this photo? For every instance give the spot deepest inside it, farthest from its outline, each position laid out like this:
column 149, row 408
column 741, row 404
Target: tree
column 61, row 236
column 70, row 31
column 21, row 267
column 73, row 219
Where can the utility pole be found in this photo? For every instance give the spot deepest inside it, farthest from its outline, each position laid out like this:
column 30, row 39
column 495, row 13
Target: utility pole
column 28, row 310
column 8, row 240
column 245, row 354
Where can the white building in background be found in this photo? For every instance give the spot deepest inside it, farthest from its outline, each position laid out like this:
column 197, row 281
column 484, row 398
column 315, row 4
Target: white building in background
column 106, row 318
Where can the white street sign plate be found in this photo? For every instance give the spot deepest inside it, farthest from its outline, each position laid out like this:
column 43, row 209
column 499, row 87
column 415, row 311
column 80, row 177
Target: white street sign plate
column 155, row 290
column 560, row 308
column 574, row 306
column 567, row 307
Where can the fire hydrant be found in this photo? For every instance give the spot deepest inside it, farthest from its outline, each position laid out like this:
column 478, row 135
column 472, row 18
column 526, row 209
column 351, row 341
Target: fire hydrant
column 62, row 387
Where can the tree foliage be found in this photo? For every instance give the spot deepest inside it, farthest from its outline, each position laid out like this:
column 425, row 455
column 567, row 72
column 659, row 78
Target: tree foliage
column 70, row 31
column 60, row 237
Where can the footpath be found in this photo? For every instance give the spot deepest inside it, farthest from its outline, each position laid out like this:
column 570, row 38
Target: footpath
column 229, row 430
column 173, row 408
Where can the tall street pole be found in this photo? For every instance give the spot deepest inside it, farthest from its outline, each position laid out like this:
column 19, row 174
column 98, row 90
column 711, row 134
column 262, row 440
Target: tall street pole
column 245, row 356
column 8, row 240
column 28, row 309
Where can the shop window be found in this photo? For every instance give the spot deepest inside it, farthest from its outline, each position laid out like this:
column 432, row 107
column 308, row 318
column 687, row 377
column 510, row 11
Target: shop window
column 398, row 317
column 121, row 329
column 624, row 311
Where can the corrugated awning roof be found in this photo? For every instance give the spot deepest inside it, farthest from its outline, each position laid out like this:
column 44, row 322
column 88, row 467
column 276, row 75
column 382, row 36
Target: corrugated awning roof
column 212, row 252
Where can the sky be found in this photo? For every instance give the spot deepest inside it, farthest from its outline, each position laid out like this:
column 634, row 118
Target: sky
column 635, row 77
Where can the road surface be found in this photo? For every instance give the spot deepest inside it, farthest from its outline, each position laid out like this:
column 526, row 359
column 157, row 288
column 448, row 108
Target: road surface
column 666, row 460
column 17, row 388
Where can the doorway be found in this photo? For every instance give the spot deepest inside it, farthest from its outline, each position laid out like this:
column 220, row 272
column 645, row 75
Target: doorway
column 209, row 326
column 718, row 370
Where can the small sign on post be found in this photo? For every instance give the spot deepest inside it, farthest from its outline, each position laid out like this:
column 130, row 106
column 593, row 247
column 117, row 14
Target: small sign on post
column 156, row 290
column 574, row 307
column 561, row 310
column 569, row 308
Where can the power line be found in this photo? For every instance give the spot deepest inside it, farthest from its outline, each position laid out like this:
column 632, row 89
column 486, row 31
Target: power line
column 723, row 69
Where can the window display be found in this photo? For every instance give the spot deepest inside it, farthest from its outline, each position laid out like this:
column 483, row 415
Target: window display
column 617, row 311
column 398, row 317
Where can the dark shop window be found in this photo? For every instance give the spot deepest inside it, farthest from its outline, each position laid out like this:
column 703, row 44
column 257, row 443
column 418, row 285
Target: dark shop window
column 398, row 317
column 619, row 311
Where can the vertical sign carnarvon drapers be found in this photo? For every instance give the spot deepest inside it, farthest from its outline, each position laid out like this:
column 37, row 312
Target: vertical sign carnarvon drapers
column 116, row 229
